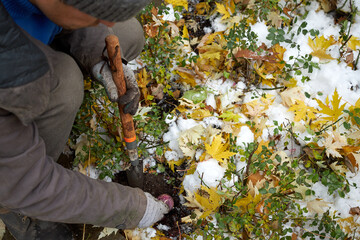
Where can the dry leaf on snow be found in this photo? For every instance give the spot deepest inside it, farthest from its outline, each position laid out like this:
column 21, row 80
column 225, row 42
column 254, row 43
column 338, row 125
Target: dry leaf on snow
column 319, row 46
column 317, row 206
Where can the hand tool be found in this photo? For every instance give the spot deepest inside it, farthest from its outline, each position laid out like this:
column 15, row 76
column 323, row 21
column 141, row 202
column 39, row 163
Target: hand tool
column 135, row 174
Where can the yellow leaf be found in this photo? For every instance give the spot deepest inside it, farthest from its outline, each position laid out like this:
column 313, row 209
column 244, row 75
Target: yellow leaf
column 353, row 43
column 302, row 111
column 142, row 78
column 335, row 110
column 185, row 32
column 209, row 200
column 291, row 83
column 221, row 8
column 200, row 114
column 230, row 116
column 87, row 84
column 248, row 202
column 176, row 3
column 218, row 150
column 172, row 163
column 265, row 78
column 187, row 78
column 261, row 145
column 202, row 8
column 319, row 47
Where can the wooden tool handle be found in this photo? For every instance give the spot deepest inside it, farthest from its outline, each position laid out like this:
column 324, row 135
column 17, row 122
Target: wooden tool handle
column 114, row 54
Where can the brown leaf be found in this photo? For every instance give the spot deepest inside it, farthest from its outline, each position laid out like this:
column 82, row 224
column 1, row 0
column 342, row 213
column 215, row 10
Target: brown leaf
column 151, row 29
column 246, row 53
column 158, row 91
column 354, row 211
column 256, row 177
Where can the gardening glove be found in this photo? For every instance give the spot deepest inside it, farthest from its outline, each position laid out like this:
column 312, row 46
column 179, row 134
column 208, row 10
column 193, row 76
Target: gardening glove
column 155, row 211
column 102, row 73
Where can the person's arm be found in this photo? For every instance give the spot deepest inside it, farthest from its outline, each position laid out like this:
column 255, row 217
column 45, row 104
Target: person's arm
column 34, row 185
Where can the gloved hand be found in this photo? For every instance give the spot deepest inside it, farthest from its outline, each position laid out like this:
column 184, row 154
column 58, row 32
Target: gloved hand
column 131, row 98
column 155, row 211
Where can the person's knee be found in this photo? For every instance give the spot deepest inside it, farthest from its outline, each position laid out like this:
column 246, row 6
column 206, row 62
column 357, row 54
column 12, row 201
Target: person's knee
column 69, row 92
column 131, row 37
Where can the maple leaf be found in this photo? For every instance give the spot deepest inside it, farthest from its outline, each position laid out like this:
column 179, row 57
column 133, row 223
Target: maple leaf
column 189, row 138
column 182, row 3
column 302, row 111
column 207, row 199
column 333, row 112
column 319, row 47
column 353, row 43
column 218, row 150
column 332, row 143
column 221, row 8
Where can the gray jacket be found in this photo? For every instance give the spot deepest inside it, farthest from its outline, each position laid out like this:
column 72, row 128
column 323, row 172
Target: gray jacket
column 31, row 182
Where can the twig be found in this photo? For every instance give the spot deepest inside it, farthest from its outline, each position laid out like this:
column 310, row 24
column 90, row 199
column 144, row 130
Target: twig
column 177, row 223
column 269, row 89
column 321, row 130
column 83, row 237
column 248, row 163
column 356, row 62
column 297, row 6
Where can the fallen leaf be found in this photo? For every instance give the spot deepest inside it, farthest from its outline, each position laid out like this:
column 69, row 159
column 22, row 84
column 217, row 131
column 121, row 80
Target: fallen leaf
column 353, row 43
column 202, row 8
column 333, row 111
column 319, row 47
column 189, row 139
column 275, row 19
column 221, row 8
column 302, row 111
column 230, row 116
column 107, row 232
column 218, row 150
column 289, row 96
column 317, row 205
column 176, row 3
column 200, row 114
column 186, row 77
column 354, row 211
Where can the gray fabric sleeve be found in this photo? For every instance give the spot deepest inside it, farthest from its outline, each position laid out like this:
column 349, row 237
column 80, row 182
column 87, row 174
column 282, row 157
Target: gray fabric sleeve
column 86, row 45
column 34, row 185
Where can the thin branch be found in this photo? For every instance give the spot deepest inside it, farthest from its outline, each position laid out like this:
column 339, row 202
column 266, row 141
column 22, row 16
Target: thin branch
column 248, row 163
column 83, row 236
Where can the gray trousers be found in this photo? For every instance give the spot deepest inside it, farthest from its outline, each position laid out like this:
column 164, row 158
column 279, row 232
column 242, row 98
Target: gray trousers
column 83, row 49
